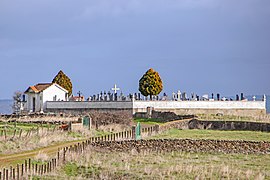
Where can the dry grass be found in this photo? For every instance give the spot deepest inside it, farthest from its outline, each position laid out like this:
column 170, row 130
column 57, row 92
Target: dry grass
column 258, row 118
column 36, row 141
column 42, row 157
column 99, row 164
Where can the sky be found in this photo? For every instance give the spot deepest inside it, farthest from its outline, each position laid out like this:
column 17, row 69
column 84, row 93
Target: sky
column 201, row 46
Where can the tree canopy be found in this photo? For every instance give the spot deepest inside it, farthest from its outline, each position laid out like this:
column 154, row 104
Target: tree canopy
column 63, row 80
column 150, row 83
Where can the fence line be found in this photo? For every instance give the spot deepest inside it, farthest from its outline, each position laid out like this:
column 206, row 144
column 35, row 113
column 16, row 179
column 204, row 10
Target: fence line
column 6, row 134
column 32, row 168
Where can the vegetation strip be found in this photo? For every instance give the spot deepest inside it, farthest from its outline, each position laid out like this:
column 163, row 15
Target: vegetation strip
column 187, row 145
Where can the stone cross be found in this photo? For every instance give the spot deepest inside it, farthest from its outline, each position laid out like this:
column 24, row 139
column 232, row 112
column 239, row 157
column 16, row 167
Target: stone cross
column 79, row 93
column 115, row 89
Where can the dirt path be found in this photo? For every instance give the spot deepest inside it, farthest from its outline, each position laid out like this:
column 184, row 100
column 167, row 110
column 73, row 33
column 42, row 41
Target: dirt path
column 12, row 159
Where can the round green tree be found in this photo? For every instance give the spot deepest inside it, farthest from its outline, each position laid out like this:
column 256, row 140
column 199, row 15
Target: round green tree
column 150, row 83
column 63, row 80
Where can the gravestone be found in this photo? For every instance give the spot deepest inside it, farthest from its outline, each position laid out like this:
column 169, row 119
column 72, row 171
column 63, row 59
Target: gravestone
column 105, row 96
column 242, row 96
column 173, row 96
column 184, row 96
column 178, row 95
column 109, row 96
column 101, row 96
column 237, row 97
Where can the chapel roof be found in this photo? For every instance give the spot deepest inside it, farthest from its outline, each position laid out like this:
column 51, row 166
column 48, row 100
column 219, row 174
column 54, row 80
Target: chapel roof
column 39, row 87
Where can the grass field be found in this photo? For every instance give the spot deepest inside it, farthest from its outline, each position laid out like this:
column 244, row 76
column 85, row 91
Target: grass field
column 148, row 121
column 213, row 134
column 169, row 165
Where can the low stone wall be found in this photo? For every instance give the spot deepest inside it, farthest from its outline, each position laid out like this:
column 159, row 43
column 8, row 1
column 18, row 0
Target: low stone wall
column 215, row 125
column 162, row 116
column 179, row 124
column 228, row 125
column 187, row 145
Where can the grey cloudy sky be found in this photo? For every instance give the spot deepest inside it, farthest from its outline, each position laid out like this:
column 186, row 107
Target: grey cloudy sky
column 200, row 46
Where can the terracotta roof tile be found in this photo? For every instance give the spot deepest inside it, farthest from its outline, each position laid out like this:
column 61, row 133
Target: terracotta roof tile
column 42, row 86
column 39, row 87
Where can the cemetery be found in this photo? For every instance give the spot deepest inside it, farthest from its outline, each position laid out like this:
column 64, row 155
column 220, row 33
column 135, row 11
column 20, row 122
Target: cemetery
column 178, row 105
column 56, row 135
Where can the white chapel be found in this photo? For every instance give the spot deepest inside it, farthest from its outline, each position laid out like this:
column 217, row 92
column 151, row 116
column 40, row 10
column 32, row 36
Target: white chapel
column 39, row 94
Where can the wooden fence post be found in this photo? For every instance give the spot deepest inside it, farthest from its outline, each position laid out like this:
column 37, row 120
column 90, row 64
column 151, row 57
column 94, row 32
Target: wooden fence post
column 134, row 132
column 4, row 174
column 50, row 166
column 58, row 155
column 13, row 173
column 14, row 134
column 11, row 168
column 36, row 169
column 55, row 163
column 20, row 135
column 29, row 165
column 64, row 155
column 7, row 174
column 5, row 133
column 18, row 171
column 25, row 166
column 45, row 168
column 157, row 128
column 22, row 170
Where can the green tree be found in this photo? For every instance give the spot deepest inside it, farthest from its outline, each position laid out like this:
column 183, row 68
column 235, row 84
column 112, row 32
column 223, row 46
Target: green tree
column 64, row 81
column 150, row 83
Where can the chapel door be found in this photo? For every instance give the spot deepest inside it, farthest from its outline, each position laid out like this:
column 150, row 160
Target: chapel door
column 34, row 104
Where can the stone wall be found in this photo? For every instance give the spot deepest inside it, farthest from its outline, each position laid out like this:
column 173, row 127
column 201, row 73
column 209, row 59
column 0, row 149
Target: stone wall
column 228, row 125
column 216, row 125
column 163, row 116
column 187, row 145
column 239, row 108
column 85, row 107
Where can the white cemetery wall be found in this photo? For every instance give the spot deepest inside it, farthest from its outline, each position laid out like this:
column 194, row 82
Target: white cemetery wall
column 246, row 108
column 204, row 107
